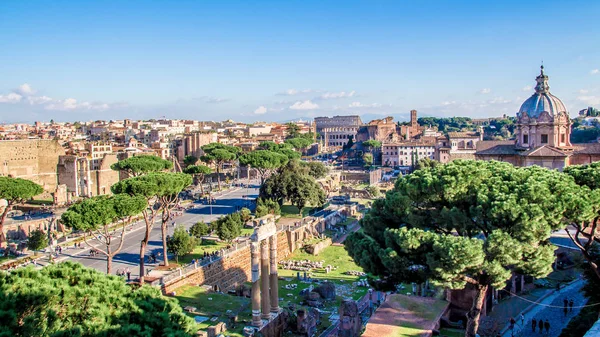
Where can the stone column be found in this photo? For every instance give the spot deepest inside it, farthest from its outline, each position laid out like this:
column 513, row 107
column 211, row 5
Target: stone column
column 264, row 279
column 254, row 251
column 274, row 282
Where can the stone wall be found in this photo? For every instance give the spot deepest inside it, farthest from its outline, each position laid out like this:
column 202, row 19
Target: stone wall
column 318, row 247
column 32, row 159
column 234, row 268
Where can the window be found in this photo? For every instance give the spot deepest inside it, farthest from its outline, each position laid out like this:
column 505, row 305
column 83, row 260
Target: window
column 563, row 138
column 544, row 139
column 525, row 139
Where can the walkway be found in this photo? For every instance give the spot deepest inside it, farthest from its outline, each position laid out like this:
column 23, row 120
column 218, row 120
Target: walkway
column 551, row 309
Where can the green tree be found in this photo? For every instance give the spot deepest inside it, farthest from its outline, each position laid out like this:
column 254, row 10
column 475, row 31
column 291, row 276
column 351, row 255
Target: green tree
column 304, row 190
column 466, row 223
column 264, row 161
column 426, row 163
column 181, row 243
column 140, row 165
column 229, row 227
column 190, row 160
column 94, row 217
column 161, row 192
column 37, row 240
column 67, row 299
column 367, row 159
column 245, row 215
column 316, row 169
column 373, row 191
column 294, row 183
column 199, row 229
column 583, row 227
column 15, row 191
column 266, row 206
column 218, row 154
column 198, row 172
column 298, row 143
column 293, row 130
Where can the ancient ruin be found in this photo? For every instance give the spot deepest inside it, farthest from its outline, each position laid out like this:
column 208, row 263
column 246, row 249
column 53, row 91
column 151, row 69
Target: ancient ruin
column 265, row 287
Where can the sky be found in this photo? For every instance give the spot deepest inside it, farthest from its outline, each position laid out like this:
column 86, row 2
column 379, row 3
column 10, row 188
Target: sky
column 284, row 60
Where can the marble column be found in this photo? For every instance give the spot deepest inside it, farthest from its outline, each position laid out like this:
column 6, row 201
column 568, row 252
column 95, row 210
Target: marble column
column 264, row 279
column 274, row 282
column 255, row 260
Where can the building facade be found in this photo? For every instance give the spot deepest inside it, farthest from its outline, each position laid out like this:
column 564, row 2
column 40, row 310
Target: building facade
column 337, row 130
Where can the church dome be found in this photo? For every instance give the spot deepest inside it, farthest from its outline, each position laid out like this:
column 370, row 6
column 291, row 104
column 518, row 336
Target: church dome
column 542, row 100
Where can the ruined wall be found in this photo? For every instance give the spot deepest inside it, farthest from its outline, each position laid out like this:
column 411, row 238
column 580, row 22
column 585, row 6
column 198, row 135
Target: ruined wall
column 32, row 159
column 104, row 177
column 234, row 269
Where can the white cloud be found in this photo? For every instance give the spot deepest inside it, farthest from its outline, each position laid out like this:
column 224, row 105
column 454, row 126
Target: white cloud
column 260, row 110
column 10, row 98
column 365, row 106
column 216, row 100
column 590, row 100
column 35, row 100
column 24, row 90
column 293, row 92
column 527, row 88
column 583, row 91
column 341, row 94
column 594, row 71
column 485, row 91
column 446, row 103
column 306, row 105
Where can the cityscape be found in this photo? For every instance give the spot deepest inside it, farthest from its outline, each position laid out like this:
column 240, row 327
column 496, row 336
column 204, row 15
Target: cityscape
column 299, row 169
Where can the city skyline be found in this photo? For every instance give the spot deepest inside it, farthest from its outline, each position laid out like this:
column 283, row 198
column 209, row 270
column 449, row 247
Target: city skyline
column 262, row 61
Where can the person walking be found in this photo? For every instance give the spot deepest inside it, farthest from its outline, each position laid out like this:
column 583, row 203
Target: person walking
column 128, row 274
column 522, row 320
column 512, row 323
column 566, row 302
column 547, row 327
column 571, row 302
column 541, row 325
column 533, row 324
column 565, row 311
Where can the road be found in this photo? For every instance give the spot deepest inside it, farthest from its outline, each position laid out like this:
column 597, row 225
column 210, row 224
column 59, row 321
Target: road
column 129, row 255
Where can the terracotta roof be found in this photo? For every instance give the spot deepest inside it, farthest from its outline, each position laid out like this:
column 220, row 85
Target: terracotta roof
column 586, row 148
column 544, row 151
column 463, row 134
column 496, row 147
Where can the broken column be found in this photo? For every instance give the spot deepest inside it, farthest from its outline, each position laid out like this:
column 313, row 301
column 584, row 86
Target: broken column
column 254, row 251
column 274, row 281
column 264, row 280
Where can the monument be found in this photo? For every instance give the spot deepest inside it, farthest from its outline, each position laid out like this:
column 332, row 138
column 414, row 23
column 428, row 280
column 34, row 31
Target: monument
column 265, row 286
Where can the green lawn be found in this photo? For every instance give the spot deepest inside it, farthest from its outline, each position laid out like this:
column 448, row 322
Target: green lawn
column 336, row 256
column 208, row 246
column 447, row 332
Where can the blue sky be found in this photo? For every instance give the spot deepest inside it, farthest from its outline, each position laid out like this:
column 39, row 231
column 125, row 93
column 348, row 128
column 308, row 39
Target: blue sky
column 280, row 60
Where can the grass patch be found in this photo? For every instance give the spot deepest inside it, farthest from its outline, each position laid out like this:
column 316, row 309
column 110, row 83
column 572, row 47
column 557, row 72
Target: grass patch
column 447, row 332
column 207, row 246
column 336, row 256
column 47, row 202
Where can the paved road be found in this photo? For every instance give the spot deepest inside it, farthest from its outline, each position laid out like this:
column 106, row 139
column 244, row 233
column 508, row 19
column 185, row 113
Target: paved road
column 129, row 255
column 551, row 309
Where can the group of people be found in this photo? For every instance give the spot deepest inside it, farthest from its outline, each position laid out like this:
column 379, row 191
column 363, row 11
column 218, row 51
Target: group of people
column 123, row 272
column 568, row 305
column 543, row 325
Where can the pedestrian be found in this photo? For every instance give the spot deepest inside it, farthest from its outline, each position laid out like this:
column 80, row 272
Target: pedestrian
column 541, row 325
column 571, row 302
column 512, row 323
column 566, row 302
column 533, row 324
column 129, row 275
column 522, row 320
column 547, row 326
column 565, row 311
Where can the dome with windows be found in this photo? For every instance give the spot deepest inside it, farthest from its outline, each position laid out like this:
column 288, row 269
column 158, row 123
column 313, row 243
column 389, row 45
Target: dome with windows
column 542, row 100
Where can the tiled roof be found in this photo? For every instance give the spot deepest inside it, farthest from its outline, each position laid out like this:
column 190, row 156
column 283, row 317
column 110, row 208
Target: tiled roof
column 496, row 147
column 586, row 148
column 463, row 134
column 544, row 151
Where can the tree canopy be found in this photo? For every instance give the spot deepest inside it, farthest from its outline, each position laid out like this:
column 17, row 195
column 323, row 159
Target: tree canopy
column 299, row 143
column 198, row 172
column 68, row 299
column 15, row 191
column 219, row 154
column 264, row 161
column 181, row 243
column 190, row 160
column 94, row 216
column 371, row 143
column 293, row 130
column 139, row 165
column 315, row 169
column 467, row 222
column 229, row 227
column 283, row 148
column 37, row 240
column 199, row 229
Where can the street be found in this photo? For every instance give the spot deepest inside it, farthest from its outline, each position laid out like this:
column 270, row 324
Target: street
column 129, row 256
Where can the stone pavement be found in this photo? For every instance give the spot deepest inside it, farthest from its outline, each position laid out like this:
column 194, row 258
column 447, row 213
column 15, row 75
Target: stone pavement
column 551, row 308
